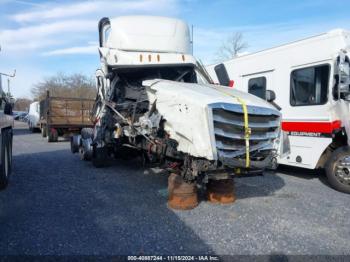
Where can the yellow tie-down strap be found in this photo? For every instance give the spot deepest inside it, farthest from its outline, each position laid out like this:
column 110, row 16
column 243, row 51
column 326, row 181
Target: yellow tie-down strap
column 247, row 130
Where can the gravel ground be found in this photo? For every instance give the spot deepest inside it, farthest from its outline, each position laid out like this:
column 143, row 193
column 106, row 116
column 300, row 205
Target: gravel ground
column 58, row 205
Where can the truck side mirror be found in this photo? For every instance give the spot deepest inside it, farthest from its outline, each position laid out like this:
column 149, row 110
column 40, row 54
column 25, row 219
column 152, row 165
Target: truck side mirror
column 222, row 74
column 270, row 96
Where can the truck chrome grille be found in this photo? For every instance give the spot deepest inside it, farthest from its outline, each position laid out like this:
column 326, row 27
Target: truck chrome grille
column 228, row 124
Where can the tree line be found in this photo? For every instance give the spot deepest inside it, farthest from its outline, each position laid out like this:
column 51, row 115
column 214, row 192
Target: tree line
column 61, row 85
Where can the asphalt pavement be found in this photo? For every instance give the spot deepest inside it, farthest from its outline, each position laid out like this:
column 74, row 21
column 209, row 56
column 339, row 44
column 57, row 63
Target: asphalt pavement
column 57, row 204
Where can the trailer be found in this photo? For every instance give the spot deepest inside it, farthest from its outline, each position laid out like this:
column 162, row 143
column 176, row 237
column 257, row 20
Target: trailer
column 156, row 100
column 64, row 116
column 311, row 80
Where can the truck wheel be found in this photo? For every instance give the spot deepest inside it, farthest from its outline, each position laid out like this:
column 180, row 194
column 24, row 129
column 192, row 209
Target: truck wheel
column 10, row 138
column 75, row 143
column 43, row 131
column 87, row 133
column 99, row 156
column 55, row 136
column 84, row 155
column 52, row 135
column 31, row 127
column 338, row 169
column 5, row 160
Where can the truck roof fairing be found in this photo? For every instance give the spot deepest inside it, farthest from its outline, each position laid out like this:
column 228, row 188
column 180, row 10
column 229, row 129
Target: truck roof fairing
column 146, row 34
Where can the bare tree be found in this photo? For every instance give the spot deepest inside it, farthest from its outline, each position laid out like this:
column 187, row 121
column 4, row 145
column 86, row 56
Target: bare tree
column 76, row 85
column 22, row 104
column 231, row 47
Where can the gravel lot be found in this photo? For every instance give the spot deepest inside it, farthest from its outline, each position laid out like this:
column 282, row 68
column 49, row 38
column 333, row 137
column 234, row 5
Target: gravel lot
column 58, row 205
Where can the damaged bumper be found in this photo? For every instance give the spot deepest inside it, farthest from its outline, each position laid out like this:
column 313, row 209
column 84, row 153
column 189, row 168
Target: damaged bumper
column 230, row 141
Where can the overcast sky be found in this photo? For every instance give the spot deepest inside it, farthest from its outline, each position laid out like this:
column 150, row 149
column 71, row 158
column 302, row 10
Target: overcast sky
column 41, row 38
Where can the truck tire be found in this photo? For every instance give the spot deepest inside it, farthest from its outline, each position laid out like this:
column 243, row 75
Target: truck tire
column 338, row 169
column 10, row 138
column 87, row 133
column 86, row 156
column 5, row 160
column 99, row 157
column 52, row 135
column 44, row 131
column 75, row 143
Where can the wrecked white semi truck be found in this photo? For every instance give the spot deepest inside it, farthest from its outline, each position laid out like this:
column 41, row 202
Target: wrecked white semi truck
column 154, row 97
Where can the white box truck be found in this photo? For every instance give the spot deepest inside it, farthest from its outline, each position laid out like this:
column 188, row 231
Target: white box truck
column 34, row 116
column 311, row 81
column 154, row 97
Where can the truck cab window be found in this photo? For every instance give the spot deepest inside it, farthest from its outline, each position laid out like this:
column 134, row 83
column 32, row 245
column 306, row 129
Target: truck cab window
column 257, row 87
column 309, row 86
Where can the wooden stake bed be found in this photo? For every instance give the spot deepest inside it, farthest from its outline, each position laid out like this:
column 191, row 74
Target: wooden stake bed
column 62, row 112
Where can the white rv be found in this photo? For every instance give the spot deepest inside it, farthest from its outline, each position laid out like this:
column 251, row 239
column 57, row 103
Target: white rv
column 310, row 79
column 34, row 116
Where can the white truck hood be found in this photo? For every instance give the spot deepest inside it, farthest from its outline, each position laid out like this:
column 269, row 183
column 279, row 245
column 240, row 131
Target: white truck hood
column 205, row 94
column 186, row 108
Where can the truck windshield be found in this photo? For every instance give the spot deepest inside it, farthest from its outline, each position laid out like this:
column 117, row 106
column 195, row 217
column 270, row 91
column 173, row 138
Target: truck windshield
column 186, row 74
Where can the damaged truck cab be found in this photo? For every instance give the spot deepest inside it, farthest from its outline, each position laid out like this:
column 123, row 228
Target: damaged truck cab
column 154, row 97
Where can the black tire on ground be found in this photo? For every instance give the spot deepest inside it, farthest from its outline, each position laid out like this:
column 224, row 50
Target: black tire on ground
column 31, row 127
column 99, row 156
column 52, row 135
column 10, row 139
column 74, row 144
column 87, row 132
column 43, row 131
column 55, row 137
column 4, row 169
column 334, row 170
column 84, row 155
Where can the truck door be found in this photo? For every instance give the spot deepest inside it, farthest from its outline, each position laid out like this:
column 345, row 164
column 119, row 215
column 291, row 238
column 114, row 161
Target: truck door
column 306, row 114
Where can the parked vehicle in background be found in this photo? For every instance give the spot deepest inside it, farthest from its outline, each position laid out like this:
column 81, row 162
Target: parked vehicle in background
column 17, row 114
column 20, row 116
column 311, row 79
column 6, row 135
column 34, row 116
column 64, row 116
column 154, row 97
